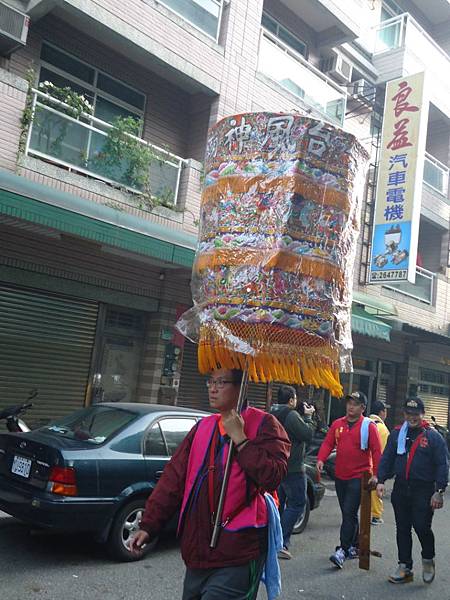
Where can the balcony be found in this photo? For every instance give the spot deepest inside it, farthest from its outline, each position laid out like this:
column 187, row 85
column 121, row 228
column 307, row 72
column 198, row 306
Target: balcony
column 83, row 144
column 204, row 15
column 290, row 70
column 333, row 22
column 403, row 47
column 422, row 290
column 435, row 174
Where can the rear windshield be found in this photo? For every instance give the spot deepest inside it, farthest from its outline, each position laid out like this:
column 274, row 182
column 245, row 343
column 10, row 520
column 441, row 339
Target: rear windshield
column 94, row 425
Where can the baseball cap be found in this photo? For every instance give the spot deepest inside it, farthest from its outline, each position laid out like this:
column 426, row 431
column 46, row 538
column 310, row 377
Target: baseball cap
column 378, row 406
column 414, row 406
column 359, row 397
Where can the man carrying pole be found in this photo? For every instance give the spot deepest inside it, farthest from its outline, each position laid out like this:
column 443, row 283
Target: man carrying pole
column 358, row 450
column 192, row 481
column 271, row 290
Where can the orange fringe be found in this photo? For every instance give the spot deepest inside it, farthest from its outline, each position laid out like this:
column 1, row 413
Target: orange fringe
column 279, row 259
column 282, row 361
column 299, row 183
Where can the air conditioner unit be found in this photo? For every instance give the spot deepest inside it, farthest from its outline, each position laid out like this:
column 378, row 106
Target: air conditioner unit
column 364, row 89
column 338, row 67
column 14, row 27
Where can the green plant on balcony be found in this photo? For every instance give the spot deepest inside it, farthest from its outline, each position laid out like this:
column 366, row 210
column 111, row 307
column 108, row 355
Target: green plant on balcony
column 126, row 159
column 74, row 104
column 27, row 115
column 51, row 128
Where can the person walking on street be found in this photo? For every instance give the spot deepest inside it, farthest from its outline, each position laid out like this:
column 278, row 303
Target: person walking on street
column 191, row 483
column 358, row 450
column 417, row 456
column 378, row 416
column 292, row 491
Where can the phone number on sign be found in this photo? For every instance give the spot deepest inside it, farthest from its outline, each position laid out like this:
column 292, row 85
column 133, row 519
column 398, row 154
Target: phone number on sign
column 401, row 275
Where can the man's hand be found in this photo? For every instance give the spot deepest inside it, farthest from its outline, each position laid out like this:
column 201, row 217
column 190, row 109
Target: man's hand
column 319, row 465
column 138, row 541
column 437, row 501
column 372, row 483
column 234, row 426
column 308, row 410
column 380, row 490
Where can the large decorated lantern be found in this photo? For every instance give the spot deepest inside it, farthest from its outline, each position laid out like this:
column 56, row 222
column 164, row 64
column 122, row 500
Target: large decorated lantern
column 273, row 271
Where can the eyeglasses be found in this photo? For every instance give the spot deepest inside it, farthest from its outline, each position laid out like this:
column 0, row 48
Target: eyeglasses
column 219, row 383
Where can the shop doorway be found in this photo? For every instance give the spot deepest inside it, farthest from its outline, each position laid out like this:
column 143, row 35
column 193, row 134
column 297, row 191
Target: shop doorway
column 118, row 355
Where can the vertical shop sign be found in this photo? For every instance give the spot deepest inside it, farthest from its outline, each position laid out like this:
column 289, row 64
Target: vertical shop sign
column 399, row 182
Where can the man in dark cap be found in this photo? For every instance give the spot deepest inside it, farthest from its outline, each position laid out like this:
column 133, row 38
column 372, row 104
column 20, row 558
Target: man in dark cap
column 358, row 450
column 417, row 456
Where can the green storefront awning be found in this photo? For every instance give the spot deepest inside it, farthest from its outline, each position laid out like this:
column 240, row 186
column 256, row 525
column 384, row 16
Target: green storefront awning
column 375, row 304
column 37, row 203
column 366, row 324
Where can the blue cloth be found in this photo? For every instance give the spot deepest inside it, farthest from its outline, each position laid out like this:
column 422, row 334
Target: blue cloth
column 271, row 576
column 401, row 442
column 292, row 496
column 365, row 433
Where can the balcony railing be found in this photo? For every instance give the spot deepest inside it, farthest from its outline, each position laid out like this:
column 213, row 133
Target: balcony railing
column 404, row 30
column 435, row 174
column 288, row 68
column 78, row 144
column 422, row 290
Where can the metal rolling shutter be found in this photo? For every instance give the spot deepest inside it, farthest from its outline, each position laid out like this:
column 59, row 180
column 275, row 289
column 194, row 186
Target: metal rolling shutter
column 436, row 406
column 192, row 392
column 257, row 395
column 46, row 343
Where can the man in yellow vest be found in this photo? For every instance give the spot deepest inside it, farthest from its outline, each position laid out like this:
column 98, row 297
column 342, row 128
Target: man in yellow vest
column 378, row 415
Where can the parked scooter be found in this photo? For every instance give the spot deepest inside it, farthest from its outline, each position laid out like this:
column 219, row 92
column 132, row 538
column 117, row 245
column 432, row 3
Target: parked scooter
column 443, row 431
column 11, row 414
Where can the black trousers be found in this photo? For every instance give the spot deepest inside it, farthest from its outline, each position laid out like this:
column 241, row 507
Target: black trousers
column 411, row 503
column 225, row 583
column 349, row 495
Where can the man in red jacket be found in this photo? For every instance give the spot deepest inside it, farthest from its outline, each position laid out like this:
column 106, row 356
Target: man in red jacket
column 192, row 481
column 358, row 449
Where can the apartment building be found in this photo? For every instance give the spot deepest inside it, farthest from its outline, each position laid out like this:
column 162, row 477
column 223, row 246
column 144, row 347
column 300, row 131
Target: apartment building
column 98, row 228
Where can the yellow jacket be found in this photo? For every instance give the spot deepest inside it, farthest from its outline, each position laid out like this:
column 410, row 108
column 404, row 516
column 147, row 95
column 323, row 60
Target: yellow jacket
column 382, row 430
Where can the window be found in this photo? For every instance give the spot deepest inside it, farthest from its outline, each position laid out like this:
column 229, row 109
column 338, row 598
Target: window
column 390, row 9
column 283, row 34
column 203, row 14
column 175, row 430
column 94, row 425
column 110, row 97
column 154, row 442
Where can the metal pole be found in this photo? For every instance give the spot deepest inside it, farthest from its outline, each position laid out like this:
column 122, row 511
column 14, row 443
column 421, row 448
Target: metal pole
column 226, row 474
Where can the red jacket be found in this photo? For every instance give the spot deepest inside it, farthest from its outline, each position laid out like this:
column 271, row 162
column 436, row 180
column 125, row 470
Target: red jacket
column 351, row 461
column 264, row 459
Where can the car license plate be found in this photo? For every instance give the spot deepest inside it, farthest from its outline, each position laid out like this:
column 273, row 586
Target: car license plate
column 21, row 466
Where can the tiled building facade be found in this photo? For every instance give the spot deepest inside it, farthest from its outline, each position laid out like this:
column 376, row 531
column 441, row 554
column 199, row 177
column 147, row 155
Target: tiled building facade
column 73, row 229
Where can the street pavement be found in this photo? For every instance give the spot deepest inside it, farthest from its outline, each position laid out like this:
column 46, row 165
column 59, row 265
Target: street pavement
column 49, row 567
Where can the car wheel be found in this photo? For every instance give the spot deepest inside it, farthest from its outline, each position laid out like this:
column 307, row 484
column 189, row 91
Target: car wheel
column 302, row 521
column 125, row 525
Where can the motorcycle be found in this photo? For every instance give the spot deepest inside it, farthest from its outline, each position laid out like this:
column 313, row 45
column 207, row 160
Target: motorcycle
column 11, row 414
column 443, row 431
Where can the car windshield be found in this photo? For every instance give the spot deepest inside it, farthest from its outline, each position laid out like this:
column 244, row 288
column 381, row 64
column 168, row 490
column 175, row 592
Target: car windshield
column 94, row 425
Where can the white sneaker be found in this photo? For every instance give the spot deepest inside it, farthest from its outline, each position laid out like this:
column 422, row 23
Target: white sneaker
column 338, row 558
column 429, row 570
column 402, row 574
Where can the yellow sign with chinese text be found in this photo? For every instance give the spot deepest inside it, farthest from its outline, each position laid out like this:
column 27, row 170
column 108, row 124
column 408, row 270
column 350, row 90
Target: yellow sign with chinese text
column 399, row 181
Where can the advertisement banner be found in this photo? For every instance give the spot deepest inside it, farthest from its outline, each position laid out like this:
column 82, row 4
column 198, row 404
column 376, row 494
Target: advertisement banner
column 399, row 182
